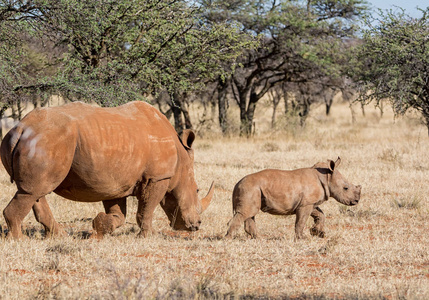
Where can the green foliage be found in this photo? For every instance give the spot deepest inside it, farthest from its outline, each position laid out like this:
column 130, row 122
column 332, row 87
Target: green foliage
column 12, row 52
column 392, row 62
column 301, row 41
column 113, row 52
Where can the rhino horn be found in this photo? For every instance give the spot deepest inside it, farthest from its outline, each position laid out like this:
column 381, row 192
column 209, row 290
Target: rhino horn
column 207, row 199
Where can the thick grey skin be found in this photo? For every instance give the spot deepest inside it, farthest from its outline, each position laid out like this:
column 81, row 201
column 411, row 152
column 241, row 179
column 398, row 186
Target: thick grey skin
column 298, row 192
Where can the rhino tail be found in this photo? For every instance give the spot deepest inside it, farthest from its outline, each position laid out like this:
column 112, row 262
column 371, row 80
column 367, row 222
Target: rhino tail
column 8, row 147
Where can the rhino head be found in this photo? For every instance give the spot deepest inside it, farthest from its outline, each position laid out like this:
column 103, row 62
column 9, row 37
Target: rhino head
column 335, row 185
column 182, row 205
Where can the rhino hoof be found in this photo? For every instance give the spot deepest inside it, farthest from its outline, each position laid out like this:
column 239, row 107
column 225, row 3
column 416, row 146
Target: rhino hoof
column 316, row 232
column 145, row 233
column 102, row 225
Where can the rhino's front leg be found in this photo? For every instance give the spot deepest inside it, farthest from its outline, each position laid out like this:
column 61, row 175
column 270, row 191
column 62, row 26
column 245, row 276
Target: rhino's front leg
column 302, row 214
column 114, row 217
column 319, row 222
column 149, row 197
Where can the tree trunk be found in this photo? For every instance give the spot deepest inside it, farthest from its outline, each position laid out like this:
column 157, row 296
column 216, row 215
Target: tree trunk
column 222, row 106
column 178, row 120
column 246, row 114
column 273, row 116
column 188, row 123
column 304, row 112
column 251, row 112
column 243, row 114
column 177, row 113
column 328, row 108
column 276, row 100
column 286, row 101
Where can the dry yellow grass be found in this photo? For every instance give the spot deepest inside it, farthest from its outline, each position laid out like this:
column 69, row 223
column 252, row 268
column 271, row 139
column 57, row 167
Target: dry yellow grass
column 377, row 249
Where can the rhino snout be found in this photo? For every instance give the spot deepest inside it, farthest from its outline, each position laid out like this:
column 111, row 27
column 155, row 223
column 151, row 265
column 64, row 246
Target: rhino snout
column 195, row 226
column 186, row 224
column 357, row 195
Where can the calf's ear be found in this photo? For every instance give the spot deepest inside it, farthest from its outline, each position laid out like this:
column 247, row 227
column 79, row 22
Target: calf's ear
column 337, row 162
column 333, row 165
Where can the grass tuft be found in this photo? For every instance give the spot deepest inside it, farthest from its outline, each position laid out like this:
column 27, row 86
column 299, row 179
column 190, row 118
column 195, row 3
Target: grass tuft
column 62, row 248
column 391, row 156
column 270, row 147
column 406, row 203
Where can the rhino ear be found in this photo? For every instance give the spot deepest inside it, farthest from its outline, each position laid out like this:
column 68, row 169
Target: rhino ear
column 337, row 162
column 188, row 137
column 333, row 165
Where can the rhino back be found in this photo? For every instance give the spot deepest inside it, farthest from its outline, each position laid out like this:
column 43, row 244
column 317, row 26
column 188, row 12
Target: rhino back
column 104, row 152
column 284, row 191
column 117, row 148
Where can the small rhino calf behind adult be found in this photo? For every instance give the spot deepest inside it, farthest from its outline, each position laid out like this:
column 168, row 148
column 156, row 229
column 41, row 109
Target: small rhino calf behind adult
column 298, row 192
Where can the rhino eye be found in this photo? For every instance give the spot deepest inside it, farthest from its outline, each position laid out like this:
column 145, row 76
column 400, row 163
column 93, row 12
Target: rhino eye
column 346, row 188
column 198, row 190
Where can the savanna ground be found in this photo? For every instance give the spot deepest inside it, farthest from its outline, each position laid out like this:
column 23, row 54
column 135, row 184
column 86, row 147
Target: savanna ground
column 375, row 250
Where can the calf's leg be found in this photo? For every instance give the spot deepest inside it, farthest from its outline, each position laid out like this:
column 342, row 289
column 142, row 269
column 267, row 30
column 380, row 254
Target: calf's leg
column 44, row 215
column 249, row 223
column 246, row 202
column 319, row 222
column 302, row 214
column 234, row 224
column 114, row 217
column 250, row 227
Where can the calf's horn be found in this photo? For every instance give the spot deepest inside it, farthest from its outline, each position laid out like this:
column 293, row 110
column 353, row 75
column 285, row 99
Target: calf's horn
column 207, row 199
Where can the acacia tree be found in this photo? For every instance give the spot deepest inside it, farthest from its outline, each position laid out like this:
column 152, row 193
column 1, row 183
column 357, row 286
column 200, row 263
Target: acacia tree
column 22, row 58
column 300, row 41
column 393, row 62
column 14, row 50
column 118, row 51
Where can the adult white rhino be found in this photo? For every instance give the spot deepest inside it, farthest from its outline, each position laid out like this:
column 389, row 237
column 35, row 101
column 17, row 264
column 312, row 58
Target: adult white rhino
column 88, row 154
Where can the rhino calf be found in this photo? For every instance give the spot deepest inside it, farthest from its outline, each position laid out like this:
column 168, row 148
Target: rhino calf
column 298, row 192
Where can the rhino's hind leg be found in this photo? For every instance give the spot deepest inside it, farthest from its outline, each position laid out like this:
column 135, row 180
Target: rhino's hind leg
column 250, row 227
column 234, row 224
column 15, row 212
column 43, row 215
column 114, row 217
column 237, row 220
column 319, row 222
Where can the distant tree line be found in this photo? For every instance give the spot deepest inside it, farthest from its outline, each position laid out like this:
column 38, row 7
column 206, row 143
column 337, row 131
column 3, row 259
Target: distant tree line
column 392, row 62
column 213, row 51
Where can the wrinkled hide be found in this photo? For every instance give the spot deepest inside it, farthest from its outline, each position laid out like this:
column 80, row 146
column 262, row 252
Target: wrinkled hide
column 298, row 192
column 89, row 154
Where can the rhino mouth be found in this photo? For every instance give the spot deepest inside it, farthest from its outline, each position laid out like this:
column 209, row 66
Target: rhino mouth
column 186, row 227
column 193, row 228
